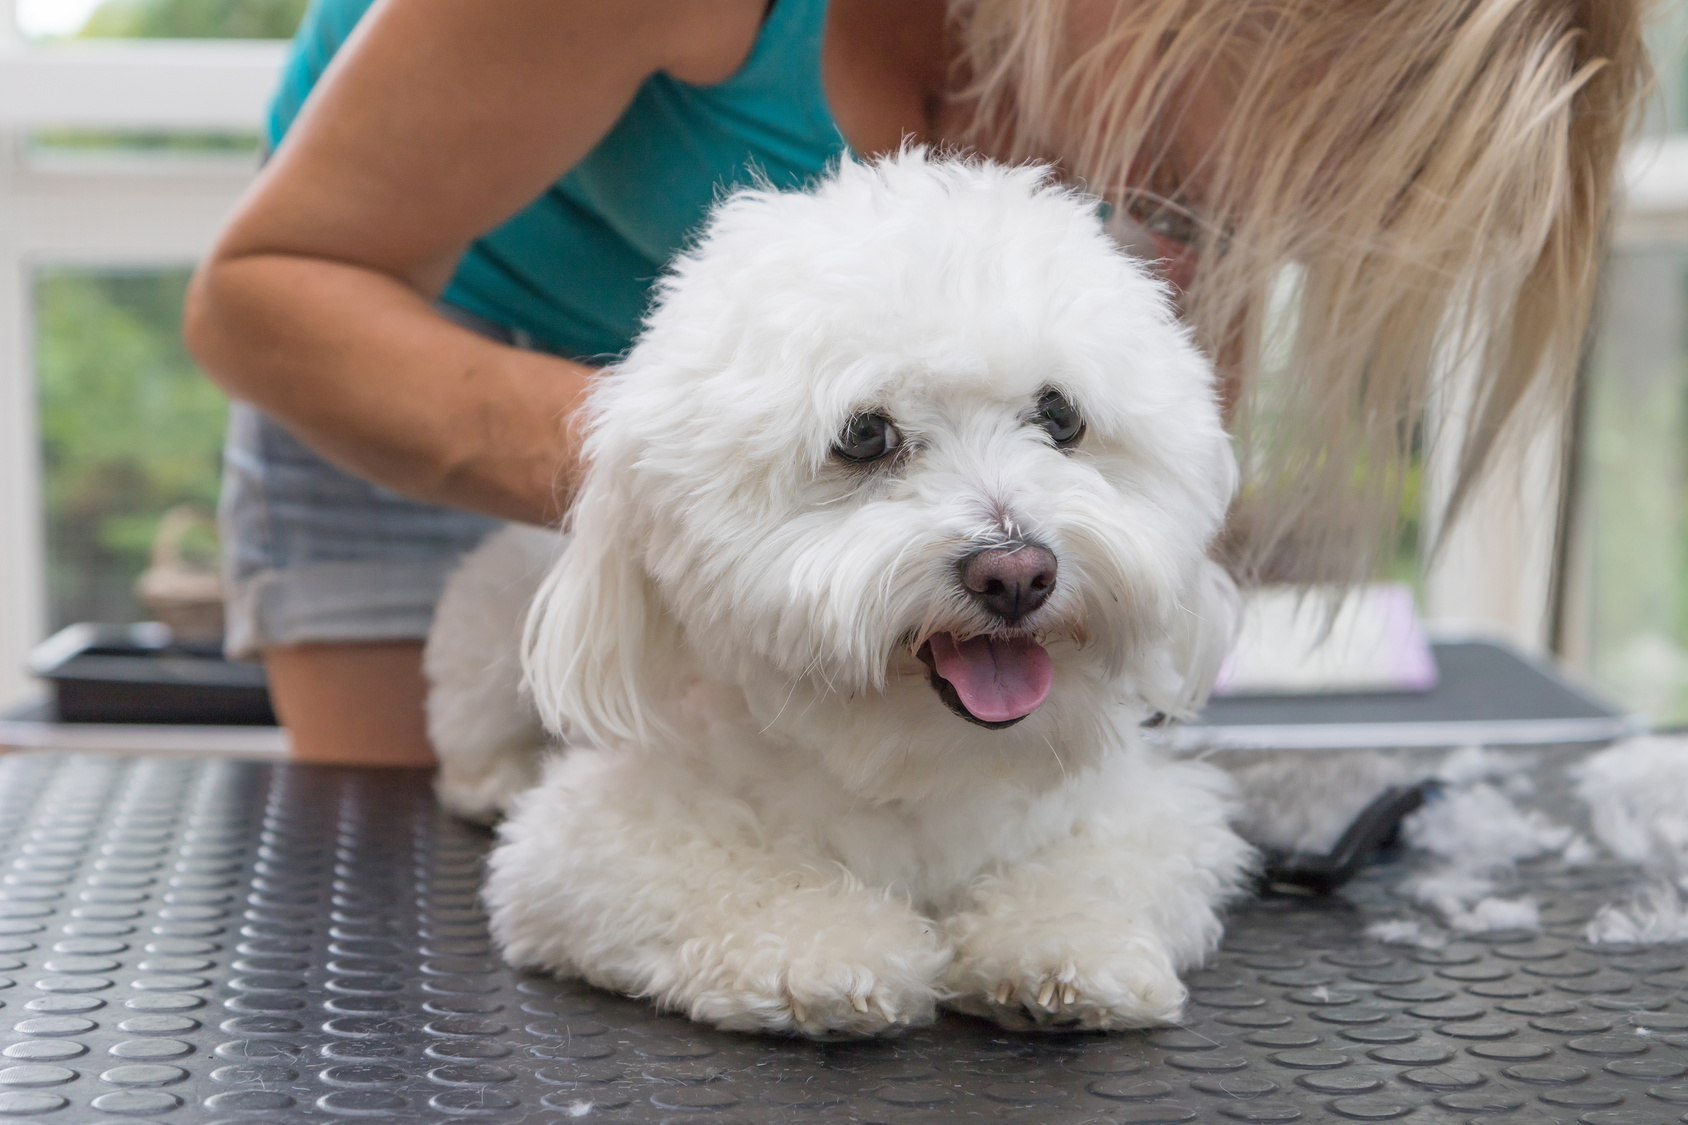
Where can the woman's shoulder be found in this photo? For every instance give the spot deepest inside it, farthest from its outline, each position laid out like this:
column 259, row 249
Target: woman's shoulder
column 703, row 42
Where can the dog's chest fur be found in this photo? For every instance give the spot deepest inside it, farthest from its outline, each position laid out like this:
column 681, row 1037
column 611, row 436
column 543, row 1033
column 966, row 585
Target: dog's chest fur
column 928, row 845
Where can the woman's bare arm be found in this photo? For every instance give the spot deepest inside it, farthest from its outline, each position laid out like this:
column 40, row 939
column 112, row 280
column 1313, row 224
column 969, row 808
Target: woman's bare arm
column 437, row 120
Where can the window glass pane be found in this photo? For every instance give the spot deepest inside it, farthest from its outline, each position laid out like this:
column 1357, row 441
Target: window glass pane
column 159, row 19
column 1625, row 609
column 129, row 430
column 1633, row 497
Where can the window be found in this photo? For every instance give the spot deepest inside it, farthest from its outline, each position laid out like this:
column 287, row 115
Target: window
column 129, row 430
column 119, row 158
column 1628, row 612
column 1625, row 612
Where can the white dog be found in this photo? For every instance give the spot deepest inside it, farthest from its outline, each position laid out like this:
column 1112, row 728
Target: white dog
column 894, row 533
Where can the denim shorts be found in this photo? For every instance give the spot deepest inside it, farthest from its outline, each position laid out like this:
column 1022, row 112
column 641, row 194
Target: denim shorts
column 314, row 554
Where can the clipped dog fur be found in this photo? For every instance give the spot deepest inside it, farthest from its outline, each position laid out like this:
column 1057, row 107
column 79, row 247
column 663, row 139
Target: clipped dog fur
column 820, row 775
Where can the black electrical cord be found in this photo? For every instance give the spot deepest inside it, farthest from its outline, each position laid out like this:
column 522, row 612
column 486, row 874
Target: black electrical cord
column 1378, row 826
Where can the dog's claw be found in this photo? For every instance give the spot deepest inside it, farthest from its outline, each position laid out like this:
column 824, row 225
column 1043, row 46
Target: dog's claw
column 1046, row 994
column 1069, row 994
column 859, row 1003
column 1004, row 992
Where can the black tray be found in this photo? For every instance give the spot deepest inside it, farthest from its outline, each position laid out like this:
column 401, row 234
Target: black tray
column 140, row 674
column 1488, row 693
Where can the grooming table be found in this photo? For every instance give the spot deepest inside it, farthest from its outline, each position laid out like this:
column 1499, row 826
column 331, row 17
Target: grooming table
column 1488, row 693
column 197, row 940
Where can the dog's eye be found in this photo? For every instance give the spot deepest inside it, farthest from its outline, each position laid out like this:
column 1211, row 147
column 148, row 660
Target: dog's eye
column 1060, row 417
column 868, row 437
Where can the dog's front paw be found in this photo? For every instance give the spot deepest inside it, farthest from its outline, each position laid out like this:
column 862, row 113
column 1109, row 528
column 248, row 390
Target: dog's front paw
column 481, row 789
column 1061, row 974
column 831, row 985
column 842, row 1002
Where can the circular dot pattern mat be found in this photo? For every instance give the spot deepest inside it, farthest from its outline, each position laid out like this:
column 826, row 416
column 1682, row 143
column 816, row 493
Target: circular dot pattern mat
column 210, row 941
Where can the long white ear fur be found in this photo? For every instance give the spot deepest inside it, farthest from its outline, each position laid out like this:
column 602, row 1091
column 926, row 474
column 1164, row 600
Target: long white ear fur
column 1202, row 635
column 597, row 638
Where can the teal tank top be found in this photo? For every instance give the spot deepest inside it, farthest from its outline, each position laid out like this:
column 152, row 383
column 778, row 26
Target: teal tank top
column 574, row 269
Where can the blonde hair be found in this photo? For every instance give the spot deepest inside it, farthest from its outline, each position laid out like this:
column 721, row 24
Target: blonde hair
column 1400, row 190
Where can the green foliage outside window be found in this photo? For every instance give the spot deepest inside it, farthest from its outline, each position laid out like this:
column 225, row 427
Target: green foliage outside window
column 129, row 428
column 60, row 142
column 194, row 19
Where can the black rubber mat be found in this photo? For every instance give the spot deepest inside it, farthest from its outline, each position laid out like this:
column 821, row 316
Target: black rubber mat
column 191, row 941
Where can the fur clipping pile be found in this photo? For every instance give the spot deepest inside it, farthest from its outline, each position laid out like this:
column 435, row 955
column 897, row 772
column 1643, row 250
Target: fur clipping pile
column 1636, row 794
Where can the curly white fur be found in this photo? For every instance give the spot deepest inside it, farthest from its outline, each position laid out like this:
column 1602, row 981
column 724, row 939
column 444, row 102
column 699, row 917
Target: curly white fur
column 1637, row 797
column 481, row 720
column 769, row 819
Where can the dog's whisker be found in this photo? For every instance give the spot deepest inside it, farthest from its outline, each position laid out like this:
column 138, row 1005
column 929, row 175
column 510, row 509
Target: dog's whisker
column 788, row 696
column 1183, row 1025
column 1050, row 743
column 813, row 666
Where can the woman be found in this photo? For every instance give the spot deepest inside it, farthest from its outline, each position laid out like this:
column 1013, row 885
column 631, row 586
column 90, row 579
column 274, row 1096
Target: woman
column 1350, row 195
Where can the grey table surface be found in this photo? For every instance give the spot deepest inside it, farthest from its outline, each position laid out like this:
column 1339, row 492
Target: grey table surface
column 217, row 940
column 1477, row 681
column 1486, row 692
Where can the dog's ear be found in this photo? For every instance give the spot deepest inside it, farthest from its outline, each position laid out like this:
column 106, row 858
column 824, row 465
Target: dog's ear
column 1202, row 634
column 598, row 639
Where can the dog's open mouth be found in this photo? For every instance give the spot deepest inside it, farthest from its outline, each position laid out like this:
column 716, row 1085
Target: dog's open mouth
column 992, row 681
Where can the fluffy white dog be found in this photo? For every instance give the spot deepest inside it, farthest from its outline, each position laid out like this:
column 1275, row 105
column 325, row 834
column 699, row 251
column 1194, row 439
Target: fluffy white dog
column 894, row 533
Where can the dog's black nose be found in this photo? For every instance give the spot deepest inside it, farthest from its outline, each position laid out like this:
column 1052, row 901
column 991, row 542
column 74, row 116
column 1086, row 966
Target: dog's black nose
column 1010, row 581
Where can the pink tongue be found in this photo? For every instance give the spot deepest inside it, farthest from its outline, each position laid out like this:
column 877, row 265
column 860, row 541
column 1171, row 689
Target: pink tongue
column 997, row 680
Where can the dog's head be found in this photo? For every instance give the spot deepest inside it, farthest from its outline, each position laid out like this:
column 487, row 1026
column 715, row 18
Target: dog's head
column 919, row 457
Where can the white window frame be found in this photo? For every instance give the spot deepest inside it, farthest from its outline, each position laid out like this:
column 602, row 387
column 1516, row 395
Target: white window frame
column 136, row 212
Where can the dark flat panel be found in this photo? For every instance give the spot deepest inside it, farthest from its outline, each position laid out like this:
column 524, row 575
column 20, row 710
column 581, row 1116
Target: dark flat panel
column 136, row 674
column 1480, row 682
